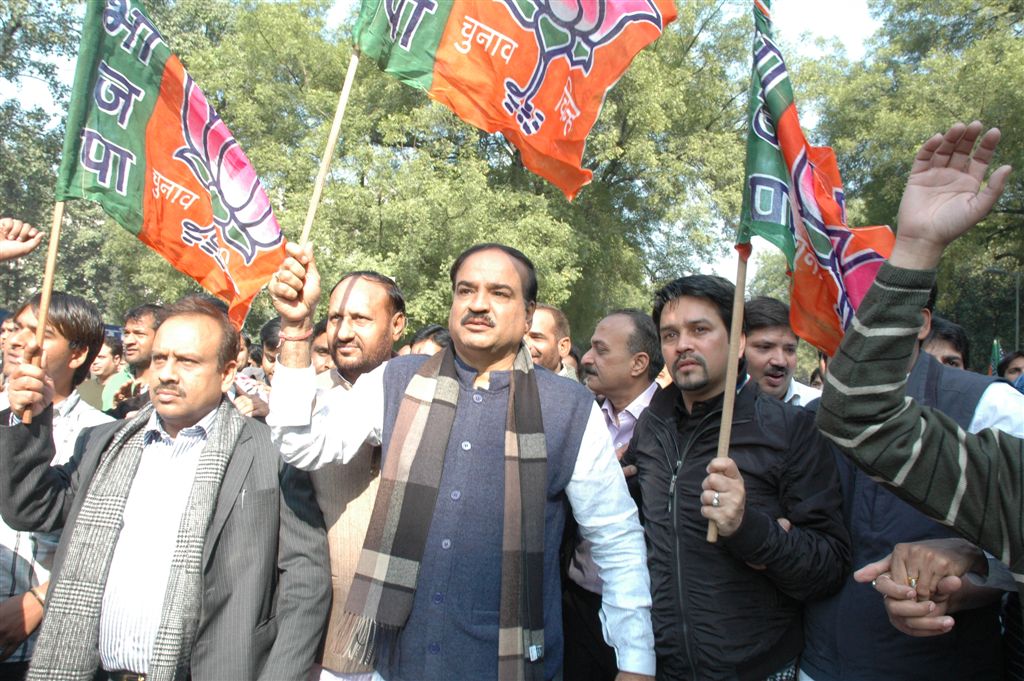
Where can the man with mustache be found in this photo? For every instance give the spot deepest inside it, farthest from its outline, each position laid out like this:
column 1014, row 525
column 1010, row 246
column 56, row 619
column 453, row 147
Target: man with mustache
column 188, row 550
column 620, row 367
column 771, row 351
column 458, row 577
column 731, row 609
column 365, row 317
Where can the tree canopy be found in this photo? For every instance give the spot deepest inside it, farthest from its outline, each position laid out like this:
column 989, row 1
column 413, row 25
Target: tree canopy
column 411, row 185
column 928, row 65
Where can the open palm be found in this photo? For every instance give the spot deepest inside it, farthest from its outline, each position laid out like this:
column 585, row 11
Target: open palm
column 944, row 196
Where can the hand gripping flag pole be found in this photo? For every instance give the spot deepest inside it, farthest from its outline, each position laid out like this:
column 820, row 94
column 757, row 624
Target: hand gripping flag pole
column 45, row 294
column 732, row 369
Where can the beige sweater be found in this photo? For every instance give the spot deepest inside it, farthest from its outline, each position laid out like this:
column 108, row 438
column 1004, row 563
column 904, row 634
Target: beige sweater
column 346, row 493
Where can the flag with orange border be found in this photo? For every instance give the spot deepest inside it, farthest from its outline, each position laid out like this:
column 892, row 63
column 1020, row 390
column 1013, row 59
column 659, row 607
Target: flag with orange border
column 143, row 141
column 535, row 70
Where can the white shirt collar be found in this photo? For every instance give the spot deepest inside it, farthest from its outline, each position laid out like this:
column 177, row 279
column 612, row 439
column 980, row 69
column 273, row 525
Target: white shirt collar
column 799, row 395
column 201, row 429
column 634, row 408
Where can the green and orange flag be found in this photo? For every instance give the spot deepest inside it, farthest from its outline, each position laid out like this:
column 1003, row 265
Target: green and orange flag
column 535, row 70
column 144, row 143
column 997, row 354
column 793, row 198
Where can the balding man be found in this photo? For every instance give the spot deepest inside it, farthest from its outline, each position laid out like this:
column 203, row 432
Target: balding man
column 620, row 367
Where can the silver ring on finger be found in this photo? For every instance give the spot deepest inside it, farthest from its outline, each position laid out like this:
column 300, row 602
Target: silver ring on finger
column 715, row 501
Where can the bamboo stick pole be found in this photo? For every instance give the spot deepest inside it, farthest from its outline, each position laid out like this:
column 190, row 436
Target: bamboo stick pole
column 44, row 298
column 332, row 141
column 732, row 371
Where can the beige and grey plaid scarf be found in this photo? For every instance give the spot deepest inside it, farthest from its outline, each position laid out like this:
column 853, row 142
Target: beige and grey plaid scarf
column 68, row 645
column 384, row 586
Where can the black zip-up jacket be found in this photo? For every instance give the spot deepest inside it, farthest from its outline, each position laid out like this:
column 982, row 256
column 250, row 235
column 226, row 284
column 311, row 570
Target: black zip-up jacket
column 714, row 615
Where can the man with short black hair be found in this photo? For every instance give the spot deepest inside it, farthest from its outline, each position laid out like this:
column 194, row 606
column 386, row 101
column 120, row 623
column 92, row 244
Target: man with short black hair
column 322, row 360
column 188, row 550
column 771, row 351
column 73, row 334
column 103, row 370
column 731, row 609
column 140, row 326
column 1011, row 366
column 948, row 342
column 549, row 340
column 430, row 340
column 270, row 343
column 458, row 576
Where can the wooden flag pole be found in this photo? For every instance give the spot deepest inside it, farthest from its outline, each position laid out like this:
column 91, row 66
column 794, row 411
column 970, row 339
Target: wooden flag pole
column 732, row 371
column 332, row 140
column 44, row 298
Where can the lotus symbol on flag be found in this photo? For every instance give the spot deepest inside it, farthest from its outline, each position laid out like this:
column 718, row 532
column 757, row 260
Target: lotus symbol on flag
column 573, row 29
column 241, row 210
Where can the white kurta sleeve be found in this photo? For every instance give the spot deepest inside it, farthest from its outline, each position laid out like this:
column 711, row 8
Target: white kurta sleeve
column 608, row 518
column 313, row 428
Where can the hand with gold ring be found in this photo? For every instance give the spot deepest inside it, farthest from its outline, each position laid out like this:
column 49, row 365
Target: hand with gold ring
column 923, row 564
column 906, row 613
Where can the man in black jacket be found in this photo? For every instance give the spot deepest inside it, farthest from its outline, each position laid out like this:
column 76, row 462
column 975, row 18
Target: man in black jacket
column 730, row 610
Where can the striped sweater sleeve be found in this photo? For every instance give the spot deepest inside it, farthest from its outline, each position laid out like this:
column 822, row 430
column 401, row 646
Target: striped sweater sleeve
column 970, row 482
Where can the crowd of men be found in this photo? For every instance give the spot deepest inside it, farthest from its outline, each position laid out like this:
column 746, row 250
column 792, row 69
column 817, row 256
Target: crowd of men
column 485, row 502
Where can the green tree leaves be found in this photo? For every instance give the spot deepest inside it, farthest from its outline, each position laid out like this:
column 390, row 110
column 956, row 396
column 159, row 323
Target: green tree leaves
column 411, row 185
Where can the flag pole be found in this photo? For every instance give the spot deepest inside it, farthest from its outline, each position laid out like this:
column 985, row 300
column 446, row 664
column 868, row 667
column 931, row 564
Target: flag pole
column 732, row 372
column 332, row 140
column 44, row 298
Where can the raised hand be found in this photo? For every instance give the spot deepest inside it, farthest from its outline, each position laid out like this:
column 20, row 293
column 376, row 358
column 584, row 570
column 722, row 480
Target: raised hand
column 295, row 287
column 944, row 196
column 17, row 238
column 29, row 386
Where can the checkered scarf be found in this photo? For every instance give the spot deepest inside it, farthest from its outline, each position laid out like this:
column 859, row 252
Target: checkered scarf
column 384, row 586
column 68, row 645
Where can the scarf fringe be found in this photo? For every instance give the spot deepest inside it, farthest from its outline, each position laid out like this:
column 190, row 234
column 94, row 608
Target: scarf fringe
column 364, row 640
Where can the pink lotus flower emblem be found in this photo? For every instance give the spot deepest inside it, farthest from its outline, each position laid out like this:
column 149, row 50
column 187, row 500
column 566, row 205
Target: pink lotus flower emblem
column 242, row 216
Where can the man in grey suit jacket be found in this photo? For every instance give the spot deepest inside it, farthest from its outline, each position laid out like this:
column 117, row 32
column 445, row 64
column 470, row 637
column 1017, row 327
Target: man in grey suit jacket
column 188, row 549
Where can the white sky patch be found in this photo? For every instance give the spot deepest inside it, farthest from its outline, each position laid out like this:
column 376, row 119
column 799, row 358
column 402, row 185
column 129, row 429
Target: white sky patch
column 848, row 21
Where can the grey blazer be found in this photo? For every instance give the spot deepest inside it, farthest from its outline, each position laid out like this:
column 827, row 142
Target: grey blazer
column 266, row 576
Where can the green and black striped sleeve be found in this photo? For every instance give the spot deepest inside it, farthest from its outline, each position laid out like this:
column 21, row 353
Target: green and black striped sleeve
column 972, row 483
